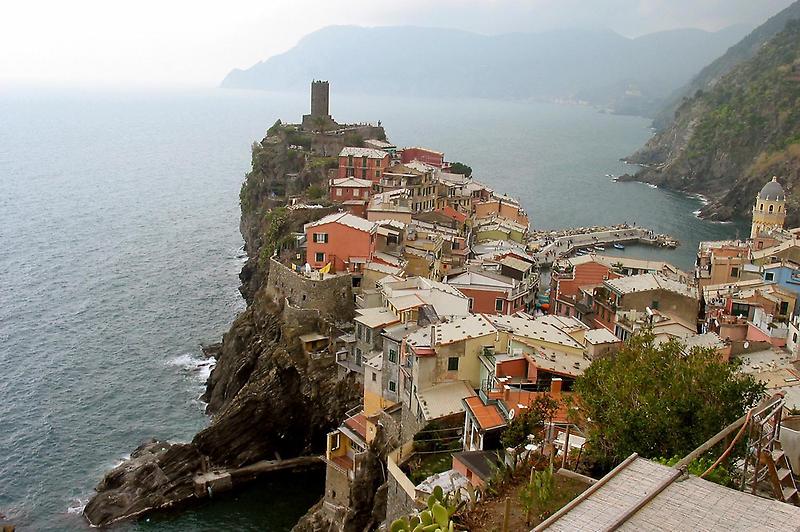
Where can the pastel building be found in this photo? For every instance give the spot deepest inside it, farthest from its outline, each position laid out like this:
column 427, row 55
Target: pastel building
column 424, row 155
column 769, row 210
column 363, row 163
column 344, row 241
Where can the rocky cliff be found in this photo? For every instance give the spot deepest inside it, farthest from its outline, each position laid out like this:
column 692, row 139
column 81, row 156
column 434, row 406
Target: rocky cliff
column 267, row 397
column 726, row 142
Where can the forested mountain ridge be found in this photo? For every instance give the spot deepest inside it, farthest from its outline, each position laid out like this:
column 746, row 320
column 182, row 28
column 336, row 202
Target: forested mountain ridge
column 745, row 49
column 725, row 143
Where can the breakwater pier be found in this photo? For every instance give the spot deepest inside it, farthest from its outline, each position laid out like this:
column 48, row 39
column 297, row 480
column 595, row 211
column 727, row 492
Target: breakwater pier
column 553, row 245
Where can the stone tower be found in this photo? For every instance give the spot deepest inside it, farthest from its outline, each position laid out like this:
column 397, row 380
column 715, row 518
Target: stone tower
column 769, row 211
column 319, row 99
column 320, row 117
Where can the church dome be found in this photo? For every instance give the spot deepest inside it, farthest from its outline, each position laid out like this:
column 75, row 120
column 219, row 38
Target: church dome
column 772, row 191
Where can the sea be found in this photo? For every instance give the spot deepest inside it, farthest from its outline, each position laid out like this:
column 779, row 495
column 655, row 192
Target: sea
column 120, row 253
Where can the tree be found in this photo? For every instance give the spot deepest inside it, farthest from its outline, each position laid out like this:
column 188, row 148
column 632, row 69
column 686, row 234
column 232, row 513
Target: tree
column 529, row 421
column 460, row 168
column 657, row 401
column 315, row 192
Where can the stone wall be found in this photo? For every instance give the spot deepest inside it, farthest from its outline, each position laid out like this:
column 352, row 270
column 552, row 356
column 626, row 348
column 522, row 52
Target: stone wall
column 331, row 298
column 337, row 487
column 398, row 503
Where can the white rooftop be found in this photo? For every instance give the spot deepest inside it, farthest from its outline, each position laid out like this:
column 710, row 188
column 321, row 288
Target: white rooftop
column 600, row 336
column 534, row 329
column 344, row 218
column 352, row 182
column 375, row 317
column 650, row 281
column 370, row 153
column 444, row 399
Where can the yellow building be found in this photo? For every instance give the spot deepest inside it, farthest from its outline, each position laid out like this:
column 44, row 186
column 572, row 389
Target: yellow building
column 769, row 211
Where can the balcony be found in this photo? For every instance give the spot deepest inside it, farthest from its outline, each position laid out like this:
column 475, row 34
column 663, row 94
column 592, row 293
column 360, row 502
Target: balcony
column 343, row 359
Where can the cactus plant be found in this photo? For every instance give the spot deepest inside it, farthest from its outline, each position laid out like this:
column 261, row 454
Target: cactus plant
column 436, row 518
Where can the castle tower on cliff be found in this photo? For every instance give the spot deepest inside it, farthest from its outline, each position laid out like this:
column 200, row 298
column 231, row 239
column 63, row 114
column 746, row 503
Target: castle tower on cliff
column 769, row 211
column 320, row 117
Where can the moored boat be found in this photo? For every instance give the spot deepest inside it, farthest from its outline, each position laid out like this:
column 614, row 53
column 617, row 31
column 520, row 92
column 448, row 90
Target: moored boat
column 618, row 246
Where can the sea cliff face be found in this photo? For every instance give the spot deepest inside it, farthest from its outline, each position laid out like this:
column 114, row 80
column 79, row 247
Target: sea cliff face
column 727, row 142
column 267, row 397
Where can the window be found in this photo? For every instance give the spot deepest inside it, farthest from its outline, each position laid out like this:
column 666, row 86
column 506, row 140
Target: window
column 335, row 441
column 769, row 276
column 455, row 245
column 498, row 305
column 358, row 356
column 392, row 355
column 338, row 191
column 319, row 257
column 355, row 193
column 364, row 161
column 374, row 376
column 760, row 206
column 349, row 160
column 740, row 309
column 654, row 305
column 784, row 308
column 377, row 174
column 794, row 338
column 321, row 238
column 471, row 303
column 734, row 272
column 452, row 364
column 771, row 207
column 392, row 386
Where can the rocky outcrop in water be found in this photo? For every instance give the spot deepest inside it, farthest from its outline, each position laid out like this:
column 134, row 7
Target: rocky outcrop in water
column 267, row 397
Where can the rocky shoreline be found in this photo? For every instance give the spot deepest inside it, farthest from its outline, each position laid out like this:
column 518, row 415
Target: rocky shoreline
column 267, row 397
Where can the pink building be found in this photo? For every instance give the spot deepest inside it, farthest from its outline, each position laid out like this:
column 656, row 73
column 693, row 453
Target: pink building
column 349, row 188
column 431, row 157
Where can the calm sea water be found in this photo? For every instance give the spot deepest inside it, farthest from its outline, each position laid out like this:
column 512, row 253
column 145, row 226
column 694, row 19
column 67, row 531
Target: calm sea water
column 119, row 255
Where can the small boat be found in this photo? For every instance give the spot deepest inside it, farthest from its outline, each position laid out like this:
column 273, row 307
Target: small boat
column 599, row 248
column 618, row 246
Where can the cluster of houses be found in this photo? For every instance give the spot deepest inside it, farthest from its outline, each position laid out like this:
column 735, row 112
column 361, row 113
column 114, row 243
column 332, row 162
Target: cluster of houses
column 434, row 350
column 450, row 338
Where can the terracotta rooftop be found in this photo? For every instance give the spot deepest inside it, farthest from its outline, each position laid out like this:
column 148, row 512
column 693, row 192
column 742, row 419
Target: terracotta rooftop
column 358, row 424
column 487, row 416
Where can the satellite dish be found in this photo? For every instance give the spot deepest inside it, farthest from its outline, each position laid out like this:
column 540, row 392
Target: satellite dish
column 511, row 414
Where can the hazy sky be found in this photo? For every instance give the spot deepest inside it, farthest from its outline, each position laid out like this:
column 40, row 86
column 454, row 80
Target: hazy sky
column 181, row 42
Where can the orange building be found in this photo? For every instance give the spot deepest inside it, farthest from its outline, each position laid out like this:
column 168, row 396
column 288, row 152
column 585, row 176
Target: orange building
column 345, row 241
column 567, row 280
column 501, row 208
column 363, row 163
